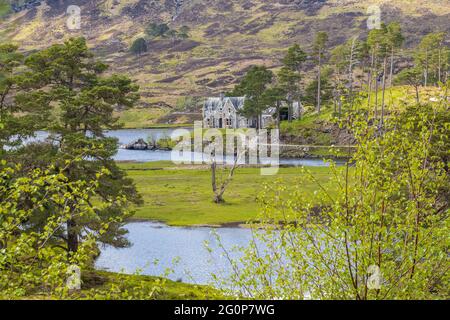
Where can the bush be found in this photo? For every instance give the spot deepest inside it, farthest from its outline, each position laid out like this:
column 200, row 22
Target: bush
column 383, row 235
column 139, row 46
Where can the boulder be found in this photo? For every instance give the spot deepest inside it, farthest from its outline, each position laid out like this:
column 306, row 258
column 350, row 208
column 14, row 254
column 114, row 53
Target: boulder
column 139, row 144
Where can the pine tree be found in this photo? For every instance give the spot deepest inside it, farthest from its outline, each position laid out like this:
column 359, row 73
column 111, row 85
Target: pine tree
column 253, row 86
column 139, row 46
column 23, row 105
column 320, row 43
column 289, row 75
column 429, row 56
column 85, row 101
column 395, row 40
column 376, row 41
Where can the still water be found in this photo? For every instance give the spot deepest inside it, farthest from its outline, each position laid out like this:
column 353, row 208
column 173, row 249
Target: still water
column 127, row 136
column 152, row 241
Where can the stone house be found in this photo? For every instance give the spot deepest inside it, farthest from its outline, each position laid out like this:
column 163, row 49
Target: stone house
column 223, row 112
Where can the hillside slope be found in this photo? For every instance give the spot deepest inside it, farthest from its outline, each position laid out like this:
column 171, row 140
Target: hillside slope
column 226, row 37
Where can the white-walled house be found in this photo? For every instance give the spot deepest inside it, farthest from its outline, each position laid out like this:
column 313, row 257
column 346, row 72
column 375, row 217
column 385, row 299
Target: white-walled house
column 224, row 112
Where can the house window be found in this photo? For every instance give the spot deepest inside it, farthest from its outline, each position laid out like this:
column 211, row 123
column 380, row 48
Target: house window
column 228, row 122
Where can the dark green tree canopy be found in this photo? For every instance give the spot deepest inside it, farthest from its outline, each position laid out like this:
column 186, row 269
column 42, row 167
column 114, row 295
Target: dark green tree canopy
column 377, row 41
column 294, row 58
column 155, row 30
column 23, row 105
column 320, row 43
column 139, row 46
column 253, row 86
column 66, row 81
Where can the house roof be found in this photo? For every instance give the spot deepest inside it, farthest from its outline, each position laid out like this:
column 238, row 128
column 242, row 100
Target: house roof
column 215, row 103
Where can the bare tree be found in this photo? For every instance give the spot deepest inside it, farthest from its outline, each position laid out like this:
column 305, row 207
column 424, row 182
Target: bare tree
column 219, row 190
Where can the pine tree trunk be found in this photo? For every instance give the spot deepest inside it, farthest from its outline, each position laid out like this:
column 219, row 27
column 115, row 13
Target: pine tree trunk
column 384, row 89
column 439, row 66
column 340, row 107
column 376, row 98
column 350, row 72
column 391, row 73
column 319, row 83
column 417, row 94
column 278, row 115
column 290, row 111
column 72, row 236
column 426, row 68
column 371, row 78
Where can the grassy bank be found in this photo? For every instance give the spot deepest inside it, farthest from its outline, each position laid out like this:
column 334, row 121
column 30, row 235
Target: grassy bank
column 142, row 118
column 96, row 283
column 163, row 289
column 5, row 8
column 182, row 196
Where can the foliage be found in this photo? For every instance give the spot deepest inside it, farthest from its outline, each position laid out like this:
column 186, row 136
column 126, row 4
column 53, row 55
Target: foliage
column 294, row 58
column 376, row 41
column 155, row 30
column 23, row 106
column 432, row 56
column 395, row 37
column 67, row 77
column 184, row 31
column 33, row 265
column 253, row 86
column 387, row 222
column 320, row 42
column 310, row 96
column 413, row 77
column 139, row 46
column 162, row 30
column 31, row 260
column 289, row 77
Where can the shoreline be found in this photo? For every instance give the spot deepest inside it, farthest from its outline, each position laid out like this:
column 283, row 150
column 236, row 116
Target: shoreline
column 160, row 126
column 232, row 225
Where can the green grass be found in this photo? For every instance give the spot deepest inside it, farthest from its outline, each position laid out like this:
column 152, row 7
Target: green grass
column 170, row 290
column 4, row 8
column 182, row 196
column 103, row 281
column 311, row 120
column 398, row 97
column 139, row 118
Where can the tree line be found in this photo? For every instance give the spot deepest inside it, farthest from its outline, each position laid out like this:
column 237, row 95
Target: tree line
column 358, row 66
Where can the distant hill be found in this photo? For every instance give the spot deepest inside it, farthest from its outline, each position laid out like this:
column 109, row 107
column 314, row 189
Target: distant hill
column 225, row 38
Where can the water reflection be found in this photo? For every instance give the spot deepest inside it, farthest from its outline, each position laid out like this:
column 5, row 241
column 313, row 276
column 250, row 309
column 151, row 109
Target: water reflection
column 126, row 136
column 155, row 241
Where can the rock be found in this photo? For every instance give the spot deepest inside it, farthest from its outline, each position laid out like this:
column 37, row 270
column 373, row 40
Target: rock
column 137, row 145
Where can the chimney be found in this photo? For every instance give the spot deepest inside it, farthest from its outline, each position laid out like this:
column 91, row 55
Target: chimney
column 222, row 96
